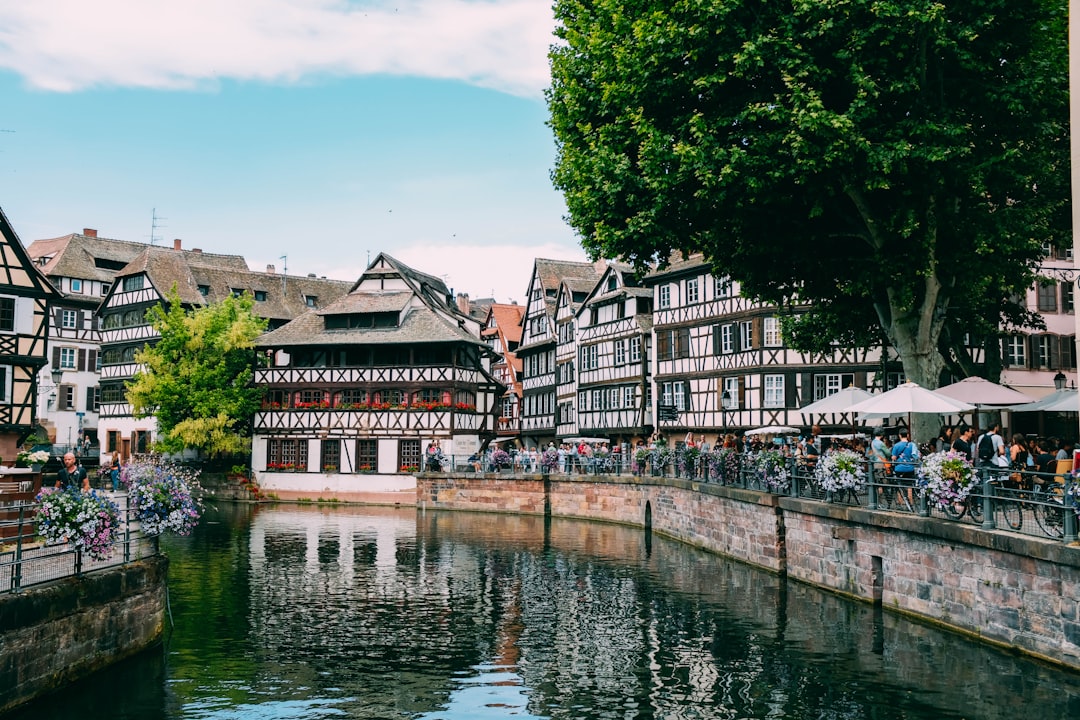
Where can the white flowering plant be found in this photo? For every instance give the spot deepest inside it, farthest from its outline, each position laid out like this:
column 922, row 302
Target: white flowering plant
column 771, row 465
column 947, row 478
column 164, row 496
column 840, row 470
column 88, row 521
column 27, row 458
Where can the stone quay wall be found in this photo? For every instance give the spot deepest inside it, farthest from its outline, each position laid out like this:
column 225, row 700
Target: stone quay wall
column 54, row 634
column 1014, row 591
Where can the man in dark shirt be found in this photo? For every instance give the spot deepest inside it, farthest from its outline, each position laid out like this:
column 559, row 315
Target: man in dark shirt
column 962, row 444
column 72, row 474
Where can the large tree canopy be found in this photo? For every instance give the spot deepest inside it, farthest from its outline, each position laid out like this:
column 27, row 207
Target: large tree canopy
column 196, row 380
column 894, row 165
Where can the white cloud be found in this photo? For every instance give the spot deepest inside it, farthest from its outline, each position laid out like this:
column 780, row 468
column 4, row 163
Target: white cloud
column 482, row 271
column 67, row 45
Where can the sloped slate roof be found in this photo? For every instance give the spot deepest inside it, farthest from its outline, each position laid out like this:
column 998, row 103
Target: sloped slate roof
column 421, row 325
column 75, row 255
column 677, row 264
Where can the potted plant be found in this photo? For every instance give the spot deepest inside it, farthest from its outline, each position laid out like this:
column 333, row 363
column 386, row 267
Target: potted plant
column 164, row 496
column 641, row 458
column 840, row 471
column 32, row 459
column 501, row 460
column 88, row 521
column 549, row 461
column 771, row 466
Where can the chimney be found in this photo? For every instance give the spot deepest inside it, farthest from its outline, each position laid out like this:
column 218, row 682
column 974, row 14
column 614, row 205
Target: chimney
column 176, row 244
column 89, row 232
column 196, row 250
column 463, row 303
column 270, row 270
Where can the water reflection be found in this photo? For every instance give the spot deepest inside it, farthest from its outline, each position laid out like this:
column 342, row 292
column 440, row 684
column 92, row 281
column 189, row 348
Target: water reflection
column 314, row 612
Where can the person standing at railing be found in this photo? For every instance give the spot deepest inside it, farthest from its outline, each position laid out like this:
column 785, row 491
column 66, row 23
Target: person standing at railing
column 114, row 471
column 72, row 474
column 905, row 454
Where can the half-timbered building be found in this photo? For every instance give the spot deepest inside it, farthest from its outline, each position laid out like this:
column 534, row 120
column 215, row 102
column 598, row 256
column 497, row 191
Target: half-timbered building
column 25, row 297
column 613, row 343
column 356, row 391
column 538, row 344
column 199, row 279
column 721, row 363
column 502, row 332
column 82, row 267
column 572, row 292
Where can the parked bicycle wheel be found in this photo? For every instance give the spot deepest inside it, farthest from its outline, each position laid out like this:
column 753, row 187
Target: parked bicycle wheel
column 1013, row 513
column 1050, row 514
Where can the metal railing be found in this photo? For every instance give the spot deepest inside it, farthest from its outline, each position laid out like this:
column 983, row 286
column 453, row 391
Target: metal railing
column 26, row 559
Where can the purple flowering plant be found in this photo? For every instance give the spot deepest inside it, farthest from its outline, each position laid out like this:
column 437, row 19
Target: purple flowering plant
column 164, row 496
column 89, row 521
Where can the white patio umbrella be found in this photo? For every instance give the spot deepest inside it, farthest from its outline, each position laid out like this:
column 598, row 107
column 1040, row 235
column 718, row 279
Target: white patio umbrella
column 772, row 430
column 1060, row 401
column 909, row 399
column 838, row 402
column 980, row 392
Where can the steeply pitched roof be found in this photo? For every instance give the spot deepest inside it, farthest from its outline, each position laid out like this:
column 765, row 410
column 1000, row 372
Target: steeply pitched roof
column 508, row 320
column 84, row 256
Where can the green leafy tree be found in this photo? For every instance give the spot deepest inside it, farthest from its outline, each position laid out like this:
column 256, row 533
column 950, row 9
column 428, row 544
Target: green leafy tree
column 892, row 166
column 196, row 380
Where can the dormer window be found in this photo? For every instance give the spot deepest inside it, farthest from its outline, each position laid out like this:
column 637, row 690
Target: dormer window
column 204, row 290
column 237, row 292
column 76, row 285
column 612, row 283
column 260, row 295
column 311, row 300
column 361, row 321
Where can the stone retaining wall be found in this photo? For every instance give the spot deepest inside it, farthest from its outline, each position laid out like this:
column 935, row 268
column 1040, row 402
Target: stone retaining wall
column 51, row 635
column 1017, row 591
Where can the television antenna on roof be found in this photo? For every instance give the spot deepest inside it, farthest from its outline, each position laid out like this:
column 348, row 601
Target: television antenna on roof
column 154, row 225
column 284, row 273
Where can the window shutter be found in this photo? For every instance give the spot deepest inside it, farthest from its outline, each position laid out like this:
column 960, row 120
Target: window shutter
column 687, row 396
column 80, row 319
column 807, row 389
column 90, row 399
column 82, row 359
column 715, row 339
column 756, row 330
column 91, row 360
column 56, row 359
column 791, row 398
column 58, row 318
column 736, row 337
column 860, row 379
column 742, row 392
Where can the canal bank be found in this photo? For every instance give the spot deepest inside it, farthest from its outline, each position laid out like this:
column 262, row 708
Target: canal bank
column 1015, row 591
column 54, row 634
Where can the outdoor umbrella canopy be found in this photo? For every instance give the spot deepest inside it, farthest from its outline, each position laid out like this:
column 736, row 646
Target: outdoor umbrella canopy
column 908, row 399
column 981, row 392
column 1060, row 401
column 772, row 430
column 838, row 402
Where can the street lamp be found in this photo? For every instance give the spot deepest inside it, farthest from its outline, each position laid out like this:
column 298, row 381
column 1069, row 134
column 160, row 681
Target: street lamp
column 1059, row 381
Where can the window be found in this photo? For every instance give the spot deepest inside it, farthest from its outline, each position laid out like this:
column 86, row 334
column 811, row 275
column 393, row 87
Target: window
column 692, row 293
column 771, row 332
column 672, row 344
column 729, row 398
column 894, row 380
column 288, row 454
column 67, row 358
column 582, row 401
column 830, row 384
column 620, row 352
column 629, row 397
column 723, row 287
column 612, row 283
column 1066, row 297
column 311, row 300
column 597, row 399
column 1045, row 351
column 409, row 452
column 7, row 313
column 69, row 319
column 112, row 441
column 679, row 396
column 1013, row 351
column 746, row 335
column 635, row 349
column 204, row 290
column 65, row 397
column 76, row 285
column 665, row 296
column 588, row 358
column 727, row 338
column 135, row 282
column 1046, row 297
column 105, row 287
column 330, row 455
column 614, row 398
column 667, row 393
column 773, row 396
column 367, row 455
column 237, row 292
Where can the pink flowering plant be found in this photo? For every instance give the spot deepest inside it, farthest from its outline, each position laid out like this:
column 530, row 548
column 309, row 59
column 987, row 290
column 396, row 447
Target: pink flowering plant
column 840, row 470
column 164, row 496
column 947, row 478
column 88, row 521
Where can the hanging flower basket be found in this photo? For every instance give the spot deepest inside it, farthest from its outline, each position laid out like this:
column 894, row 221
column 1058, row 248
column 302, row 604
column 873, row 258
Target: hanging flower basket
column 87, row 520
column 840, row 470
column 947, row 478
column 549, row 461
column 771, row 466
column 165, row 497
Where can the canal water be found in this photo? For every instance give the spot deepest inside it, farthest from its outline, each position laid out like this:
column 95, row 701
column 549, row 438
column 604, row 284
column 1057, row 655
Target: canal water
column 347, row 612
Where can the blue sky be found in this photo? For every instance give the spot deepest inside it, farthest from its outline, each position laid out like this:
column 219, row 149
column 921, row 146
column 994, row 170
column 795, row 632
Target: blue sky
column 315, row 129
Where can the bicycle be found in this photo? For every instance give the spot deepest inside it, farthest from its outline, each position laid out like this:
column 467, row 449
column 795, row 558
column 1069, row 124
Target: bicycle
column 1010, row 508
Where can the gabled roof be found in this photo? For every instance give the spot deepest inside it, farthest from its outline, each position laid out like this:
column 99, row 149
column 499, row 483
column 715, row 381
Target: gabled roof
column 14, row 254
column 190, row 271
column 507, row 320
column 677, row 264
column 86, row 257
column 429, row 317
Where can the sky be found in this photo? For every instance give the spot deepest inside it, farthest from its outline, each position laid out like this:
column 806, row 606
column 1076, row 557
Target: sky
column 309, row 134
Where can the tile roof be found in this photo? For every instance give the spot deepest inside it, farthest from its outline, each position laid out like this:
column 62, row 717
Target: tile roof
column 508, row 320
column 84, row 256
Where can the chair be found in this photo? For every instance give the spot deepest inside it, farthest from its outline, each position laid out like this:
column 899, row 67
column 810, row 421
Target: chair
column 1062, row 468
